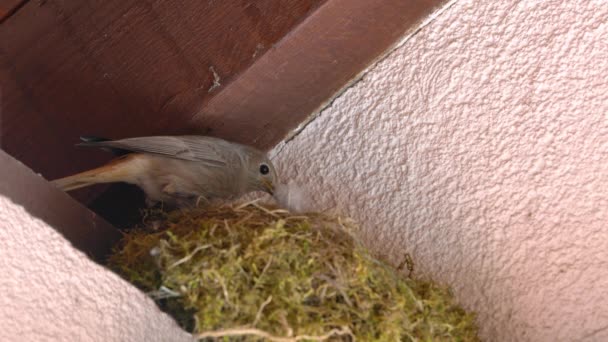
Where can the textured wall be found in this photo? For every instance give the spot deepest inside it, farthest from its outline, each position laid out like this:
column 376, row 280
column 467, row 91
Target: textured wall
column 481, row 147
column 52, row 292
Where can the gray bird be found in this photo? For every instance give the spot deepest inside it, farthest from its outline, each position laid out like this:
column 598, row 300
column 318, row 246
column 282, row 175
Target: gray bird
column 180, row 170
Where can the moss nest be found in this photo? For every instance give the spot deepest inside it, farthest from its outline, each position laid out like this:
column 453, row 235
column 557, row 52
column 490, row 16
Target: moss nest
column 252, row 273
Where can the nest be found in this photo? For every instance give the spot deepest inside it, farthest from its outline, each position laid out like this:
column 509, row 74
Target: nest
column 252, row 273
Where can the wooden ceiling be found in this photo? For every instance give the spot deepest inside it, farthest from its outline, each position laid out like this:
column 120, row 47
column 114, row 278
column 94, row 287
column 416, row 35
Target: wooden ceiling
column 121, row 68
column 248, row 71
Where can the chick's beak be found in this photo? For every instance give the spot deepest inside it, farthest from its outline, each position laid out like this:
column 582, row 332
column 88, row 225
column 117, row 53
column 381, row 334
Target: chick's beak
column 268, row 186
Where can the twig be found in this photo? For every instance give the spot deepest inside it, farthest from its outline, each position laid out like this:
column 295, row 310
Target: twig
column 285, row 324
column 337, row 286
column 258, row 315
column 246, row 204
column 266, row 266
column 244, row 219
column 270, row 337
column 188, row 257
column 269, row 212
column 163, row 292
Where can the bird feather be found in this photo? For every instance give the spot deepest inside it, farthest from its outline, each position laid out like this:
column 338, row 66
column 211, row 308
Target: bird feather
column 207, row 150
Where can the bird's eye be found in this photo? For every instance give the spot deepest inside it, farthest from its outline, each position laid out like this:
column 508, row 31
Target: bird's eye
column 264, row 169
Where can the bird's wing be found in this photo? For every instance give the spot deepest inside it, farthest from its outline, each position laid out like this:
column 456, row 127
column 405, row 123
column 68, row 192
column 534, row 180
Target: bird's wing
column 194, row 148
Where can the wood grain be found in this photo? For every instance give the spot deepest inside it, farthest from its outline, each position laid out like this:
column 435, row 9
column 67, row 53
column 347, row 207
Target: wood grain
column 8, row 7
column 307, row 67
column 122, row 68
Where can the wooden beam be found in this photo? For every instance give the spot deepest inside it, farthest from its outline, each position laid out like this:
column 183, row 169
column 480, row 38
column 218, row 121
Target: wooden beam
column 307, row 67
column 83, row 228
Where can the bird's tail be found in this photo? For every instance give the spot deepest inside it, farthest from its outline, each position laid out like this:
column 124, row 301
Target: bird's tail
column 118, row 170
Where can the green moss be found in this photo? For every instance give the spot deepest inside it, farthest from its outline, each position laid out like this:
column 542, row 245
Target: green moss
column 251, row 271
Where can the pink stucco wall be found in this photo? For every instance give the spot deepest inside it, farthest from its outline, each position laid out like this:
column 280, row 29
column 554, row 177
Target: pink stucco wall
column 481, row 147
column 53, row 292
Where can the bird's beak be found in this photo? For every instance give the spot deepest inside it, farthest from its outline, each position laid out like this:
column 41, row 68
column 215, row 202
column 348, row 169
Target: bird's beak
column 268, row 186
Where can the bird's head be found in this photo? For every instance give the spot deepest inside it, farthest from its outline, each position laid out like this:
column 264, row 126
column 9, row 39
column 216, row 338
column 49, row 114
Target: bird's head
column 261, row 173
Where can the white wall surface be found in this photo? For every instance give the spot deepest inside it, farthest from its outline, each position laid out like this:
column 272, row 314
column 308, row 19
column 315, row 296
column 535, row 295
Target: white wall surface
column 53, row 292
column 480, row 146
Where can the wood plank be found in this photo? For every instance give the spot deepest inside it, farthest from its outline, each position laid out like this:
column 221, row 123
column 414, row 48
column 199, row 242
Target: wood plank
column 307, row 67
column 8, row 7
column 128, row 68
column 87, row 231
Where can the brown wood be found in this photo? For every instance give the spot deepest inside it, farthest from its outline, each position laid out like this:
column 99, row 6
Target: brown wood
column 8, row 7
column 307, row 67
column 86, row 230
column 122, row 68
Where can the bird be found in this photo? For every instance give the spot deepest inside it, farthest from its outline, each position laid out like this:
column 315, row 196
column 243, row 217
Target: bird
column 179, row 171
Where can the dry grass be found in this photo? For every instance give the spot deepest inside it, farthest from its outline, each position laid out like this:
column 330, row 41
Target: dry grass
column 252, row 273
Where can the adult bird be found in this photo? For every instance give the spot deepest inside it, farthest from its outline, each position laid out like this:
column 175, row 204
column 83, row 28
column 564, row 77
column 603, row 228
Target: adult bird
column 180, row 170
